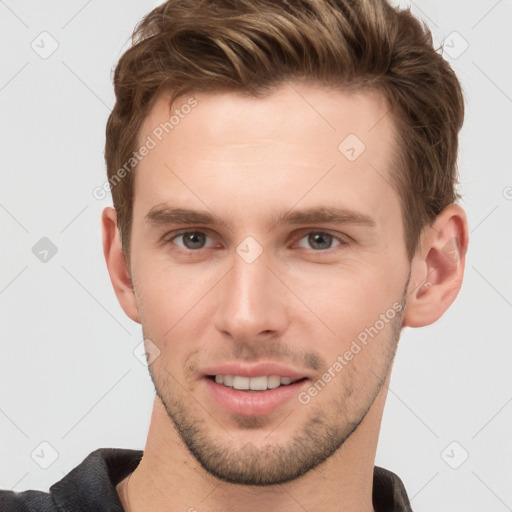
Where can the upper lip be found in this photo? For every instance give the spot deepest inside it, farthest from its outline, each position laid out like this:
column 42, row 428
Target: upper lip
column 254, row 370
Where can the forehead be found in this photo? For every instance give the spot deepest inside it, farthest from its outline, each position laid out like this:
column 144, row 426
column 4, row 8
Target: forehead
column 302, row 108
column 301, row 142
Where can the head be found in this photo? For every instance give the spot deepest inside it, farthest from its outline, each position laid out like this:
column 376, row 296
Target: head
column 286, row 222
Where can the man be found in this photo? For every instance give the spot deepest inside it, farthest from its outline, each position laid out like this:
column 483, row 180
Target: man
column 283, row 177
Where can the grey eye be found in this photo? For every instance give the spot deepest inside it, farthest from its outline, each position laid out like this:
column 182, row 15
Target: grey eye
column 318, row 241
column 192, row 240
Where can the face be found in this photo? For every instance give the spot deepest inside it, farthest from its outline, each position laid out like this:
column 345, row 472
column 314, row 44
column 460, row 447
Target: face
column 269, row 268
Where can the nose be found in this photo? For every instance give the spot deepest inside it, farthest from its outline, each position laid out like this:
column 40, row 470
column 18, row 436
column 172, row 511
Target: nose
column 252, row 302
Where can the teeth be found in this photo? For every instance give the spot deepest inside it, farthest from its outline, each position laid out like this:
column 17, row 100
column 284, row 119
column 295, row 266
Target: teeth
column 258, row 383
column 241, row 382
column 253, row 383
column 273, row 381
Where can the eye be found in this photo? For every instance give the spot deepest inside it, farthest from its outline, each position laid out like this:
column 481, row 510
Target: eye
column 190, row 240
column 319, row 241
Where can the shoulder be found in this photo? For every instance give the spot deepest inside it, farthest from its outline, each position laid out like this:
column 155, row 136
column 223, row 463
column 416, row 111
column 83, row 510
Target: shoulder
column 26, row 501
column 389, row 492
column 89, row 486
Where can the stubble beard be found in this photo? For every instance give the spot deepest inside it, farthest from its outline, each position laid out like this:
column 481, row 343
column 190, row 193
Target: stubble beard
column 323, row 433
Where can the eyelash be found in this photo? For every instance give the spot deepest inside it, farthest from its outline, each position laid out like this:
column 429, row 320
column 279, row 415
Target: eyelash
column 342, row 241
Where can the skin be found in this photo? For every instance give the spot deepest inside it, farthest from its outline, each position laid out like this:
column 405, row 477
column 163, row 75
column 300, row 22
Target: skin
column 246, row 161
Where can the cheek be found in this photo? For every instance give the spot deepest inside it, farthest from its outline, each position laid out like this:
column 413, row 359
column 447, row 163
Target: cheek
column 348, row 299
column 361, row 309
column 177, row 304
column 170, row 292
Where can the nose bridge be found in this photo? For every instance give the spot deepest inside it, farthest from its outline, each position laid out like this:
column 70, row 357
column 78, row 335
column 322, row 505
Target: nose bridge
column 250, row 301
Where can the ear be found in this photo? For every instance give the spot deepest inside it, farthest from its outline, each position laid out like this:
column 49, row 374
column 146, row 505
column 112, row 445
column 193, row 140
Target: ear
column 117, row 266
column 437, row 268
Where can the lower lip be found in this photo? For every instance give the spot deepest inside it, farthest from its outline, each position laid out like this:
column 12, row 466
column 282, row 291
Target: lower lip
column 251, row 403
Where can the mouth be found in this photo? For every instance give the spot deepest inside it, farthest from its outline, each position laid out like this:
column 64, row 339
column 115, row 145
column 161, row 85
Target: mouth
column 255, row 384
column 253, row 389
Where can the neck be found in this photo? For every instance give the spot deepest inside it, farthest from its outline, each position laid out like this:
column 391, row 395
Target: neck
column 170, row 478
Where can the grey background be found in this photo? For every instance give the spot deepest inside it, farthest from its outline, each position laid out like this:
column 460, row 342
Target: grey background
column 69, row 375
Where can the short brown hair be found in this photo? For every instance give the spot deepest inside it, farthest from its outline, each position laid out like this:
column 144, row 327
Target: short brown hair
column 252, row 46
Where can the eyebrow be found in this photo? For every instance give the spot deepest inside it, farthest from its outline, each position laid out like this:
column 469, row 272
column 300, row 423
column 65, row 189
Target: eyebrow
column 324, row 215
column 163, row 215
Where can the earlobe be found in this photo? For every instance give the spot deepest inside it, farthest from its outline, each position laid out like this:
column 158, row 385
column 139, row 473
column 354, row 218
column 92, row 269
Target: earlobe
column 117, row 265
column 437, row 268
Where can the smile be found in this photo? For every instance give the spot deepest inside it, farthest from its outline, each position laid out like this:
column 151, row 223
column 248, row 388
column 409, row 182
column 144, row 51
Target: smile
column 259, row 383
